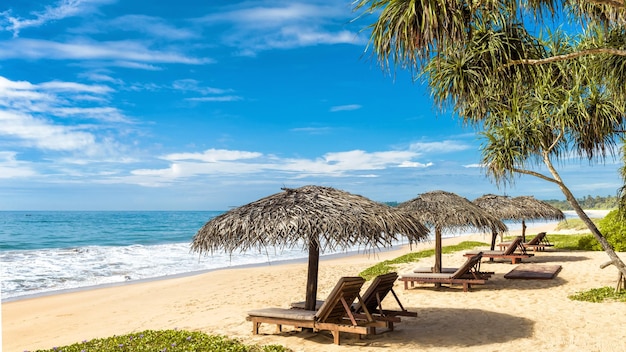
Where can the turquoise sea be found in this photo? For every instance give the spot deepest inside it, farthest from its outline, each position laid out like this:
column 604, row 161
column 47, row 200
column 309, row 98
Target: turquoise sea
column 49, row 251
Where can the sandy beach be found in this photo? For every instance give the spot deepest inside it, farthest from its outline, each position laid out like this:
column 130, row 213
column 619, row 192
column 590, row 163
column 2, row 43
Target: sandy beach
column 503, row 315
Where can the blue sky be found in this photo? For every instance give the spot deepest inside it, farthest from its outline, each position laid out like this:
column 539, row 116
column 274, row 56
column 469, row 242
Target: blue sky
column 203, row 105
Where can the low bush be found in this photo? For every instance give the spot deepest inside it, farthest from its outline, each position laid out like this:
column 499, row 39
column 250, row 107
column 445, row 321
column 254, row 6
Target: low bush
column 165, row 341
column 597, row 295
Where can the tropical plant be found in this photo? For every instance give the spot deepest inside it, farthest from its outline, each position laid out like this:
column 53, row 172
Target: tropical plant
column 535, row 98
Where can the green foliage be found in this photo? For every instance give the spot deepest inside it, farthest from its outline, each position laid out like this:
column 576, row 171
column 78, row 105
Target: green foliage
column 388, row 266
column 165, row 341
column 613, row 228
column 588, row 202
column 597, row 295
column 575, row 224
column 567, row 242
column 588, row 243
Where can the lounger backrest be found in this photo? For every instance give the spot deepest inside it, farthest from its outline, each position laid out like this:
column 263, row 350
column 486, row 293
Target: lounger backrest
column 333, row 311
column 378, row 290
column 466, row 268
column 537, row 239
column 511, row 248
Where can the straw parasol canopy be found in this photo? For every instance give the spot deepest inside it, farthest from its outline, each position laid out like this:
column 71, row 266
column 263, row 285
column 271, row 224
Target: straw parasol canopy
column 317, row 218
column 502, row 207
column 535, row 209
column 517, row 209
column 448, row 211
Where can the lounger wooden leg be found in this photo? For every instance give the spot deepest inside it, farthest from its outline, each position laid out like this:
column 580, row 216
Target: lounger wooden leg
column 335, row 336
column 279, row 328
column 255, row 327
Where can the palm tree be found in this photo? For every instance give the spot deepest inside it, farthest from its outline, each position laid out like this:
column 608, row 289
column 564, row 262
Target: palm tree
column 537, row 100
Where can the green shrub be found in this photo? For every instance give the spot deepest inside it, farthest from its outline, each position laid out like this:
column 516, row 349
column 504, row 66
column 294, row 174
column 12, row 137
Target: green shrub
column 165, row 341
column 588, row 243
column 597, row 295
column 614, row 230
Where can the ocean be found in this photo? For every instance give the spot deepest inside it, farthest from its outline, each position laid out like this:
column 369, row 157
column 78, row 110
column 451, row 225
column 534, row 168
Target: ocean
column 48, row 251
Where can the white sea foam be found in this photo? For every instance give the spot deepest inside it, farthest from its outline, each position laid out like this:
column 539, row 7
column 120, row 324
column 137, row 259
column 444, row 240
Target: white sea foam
column 30, row 272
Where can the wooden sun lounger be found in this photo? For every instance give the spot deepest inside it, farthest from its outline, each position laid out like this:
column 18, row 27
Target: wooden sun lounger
column 372, row 300
column 373, row 297
column 537, row 243
column 509, row 253
column 468, row 274
column 334, row 315
column 425, row 269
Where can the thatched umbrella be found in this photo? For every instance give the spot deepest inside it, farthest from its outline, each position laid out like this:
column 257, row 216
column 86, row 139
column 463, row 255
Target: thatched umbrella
column 535, row 209
column 318, row 218
column 517, row 209
column 444, row 210
column 502, row 207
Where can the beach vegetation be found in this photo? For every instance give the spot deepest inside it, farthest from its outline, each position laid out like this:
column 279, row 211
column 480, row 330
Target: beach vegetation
column 388, row 266
column 597, row 295
column 537, row 92
column 587, row 202
column 574, row 224
column 613, row 227
column 165, row 341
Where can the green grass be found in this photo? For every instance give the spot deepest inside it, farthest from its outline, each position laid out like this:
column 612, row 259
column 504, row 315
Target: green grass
column 165, row 341
column 575, row 224
column 597, row 295
column 388, row 266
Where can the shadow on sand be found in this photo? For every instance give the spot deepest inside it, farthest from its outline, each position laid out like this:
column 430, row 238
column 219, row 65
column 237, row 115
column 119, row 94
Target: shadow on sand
column 440, row 327
column 453, row 327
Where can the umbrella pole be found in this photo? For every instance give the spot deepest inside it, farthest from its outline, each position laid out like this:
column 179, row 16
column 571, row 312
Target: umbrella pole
column 311, row 281
column 494, row 234
column 437, row 250
column 523, row 231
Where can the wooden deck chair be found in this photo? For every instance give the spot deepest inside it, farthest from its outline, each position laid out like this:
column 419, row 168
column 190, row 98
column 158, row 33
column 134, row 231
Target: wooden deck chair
column 334, row 315
column 430, row 269
column 372, row 300
column 509, row 253
column 468, row 274
column 537, row 243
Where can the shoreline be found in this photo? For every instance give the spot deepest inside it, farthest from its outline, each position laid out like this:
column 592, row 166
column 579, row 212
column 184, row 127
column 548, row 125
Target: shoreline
column 324, row 257
column 216, row 302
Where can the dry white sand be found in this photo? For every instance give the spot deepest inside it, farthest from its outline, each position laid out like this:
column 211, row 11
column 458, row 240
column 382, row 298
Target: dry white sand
column 503, row 315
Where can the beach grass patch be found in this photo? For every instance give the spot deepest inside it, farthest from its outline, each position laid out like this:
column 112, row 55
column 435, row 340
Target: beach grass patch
column 166, row 341
column 388, row 266
column 575, row 224
column 597, row 295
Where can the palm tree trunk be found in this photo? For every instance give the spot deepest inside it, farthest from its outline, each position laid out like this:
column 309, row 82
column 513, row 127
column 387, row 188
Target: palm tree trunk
column 606, row 246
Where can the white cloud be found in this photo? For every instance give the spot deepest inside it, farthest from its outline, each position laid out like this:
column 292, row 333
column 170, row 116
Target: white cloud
column 213, row 155
column 447, row 146
column 42, row 134
column 345, row 107
column 154, row 26
column 10, row 167
column 414, row 164
column 225, row 98
column 62, row 9
column 131, row 52
column 286, row 26
column 234, row 162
